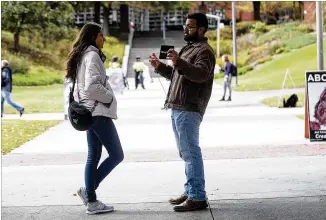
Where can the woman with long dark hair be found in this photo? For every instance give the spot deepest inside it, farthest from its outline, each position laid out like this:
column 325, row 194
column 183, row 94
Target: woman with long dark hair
column 85, row 65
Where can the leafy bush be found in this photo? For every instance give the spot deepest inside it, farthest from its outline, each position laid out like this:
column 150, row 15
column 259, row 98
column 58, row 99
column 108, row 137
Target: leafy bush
column 246, row 42
column 244, row 27
column 64, row 48
column 243, row 70
column 282, row 50
column 263, row 60
column 36, row 65
column 259, row 28
column 282, row 32
column 6, row 36
column 225, row 46
column 226, row 33
column 211, row 35
column 299, row 41
column 219, row 61
column 111, row 40
column 112, row 47
column 304, row 28
column 18, row 64
column 39, row 76
column 274, row 47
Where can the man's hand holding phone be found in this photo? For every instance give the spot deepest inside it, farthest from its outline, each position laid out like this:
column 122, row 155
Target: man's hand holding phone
column 172, row 55
column 154, row 61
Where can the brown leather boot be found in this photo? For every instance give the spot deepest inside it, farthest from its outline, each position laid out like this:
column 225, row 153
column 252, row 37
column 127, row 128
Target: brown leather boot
column 190, row 205
column 178, row 200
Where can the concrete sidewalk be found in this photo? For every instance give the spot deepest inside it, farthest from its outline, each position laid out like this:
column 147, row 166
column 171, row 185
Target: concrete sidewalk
column 256, row 160
column 300, row 208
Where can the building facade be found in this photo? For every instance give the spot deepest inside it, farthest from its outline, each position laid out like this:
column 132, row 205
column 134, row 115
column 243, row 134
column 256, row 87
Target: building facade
column 149, row 20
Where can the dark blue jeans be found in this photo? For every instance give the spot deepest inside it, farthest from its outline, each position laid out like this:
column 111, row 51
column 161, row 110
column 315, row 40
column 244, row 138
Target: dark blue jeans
column 102, row 132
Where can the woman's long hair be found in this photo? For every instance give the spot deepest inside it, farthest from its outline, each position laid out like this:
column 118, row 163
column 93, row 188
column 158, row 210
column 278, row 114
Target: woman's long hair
column 87, row 37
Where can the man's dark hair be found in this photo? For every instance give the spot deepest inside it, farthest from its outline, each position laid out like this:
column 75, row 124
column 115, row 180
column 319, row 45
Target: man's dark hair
column 200, row 18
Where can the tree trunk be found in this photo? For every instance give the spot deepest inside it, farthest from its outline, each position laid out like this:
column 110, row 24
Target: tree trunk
column 18, row 29
column 106, row 20
column 97, row 12
column 301, row 10
column 43, row 29
column 16, row 39
column 256, row 6
column 124, row 18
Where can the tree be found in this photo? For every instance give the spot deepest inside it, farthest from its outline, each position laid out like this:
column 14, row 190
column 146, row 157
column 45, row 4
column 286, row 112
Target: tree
column 54, row 20
column 301, row 9
column 97, row 12
column 16, row 16
column 85, row 5
column 256, row 7
column 49, row 17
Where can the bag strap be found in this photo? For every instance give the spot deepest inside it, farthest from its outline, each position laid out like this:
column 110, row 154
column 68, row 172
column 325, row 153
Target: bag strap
column 72, row 92
column 71, row 98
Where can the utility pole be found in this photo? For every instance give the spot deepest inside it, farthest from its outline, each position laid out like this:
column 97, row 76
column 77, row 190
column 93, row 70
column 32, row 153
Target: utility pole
column 319, row 27
column 163, row 28
column 234, row 32
column 217, row 32
column 218, row 37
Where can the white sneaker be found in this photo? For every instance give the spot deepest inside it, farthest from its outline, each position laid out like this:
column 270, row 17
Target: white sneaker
column 98, row 207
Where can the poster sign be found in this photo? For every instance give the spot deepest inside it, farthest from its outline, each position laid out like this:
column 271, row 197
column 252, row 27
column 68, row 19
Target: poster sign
column 316, row 93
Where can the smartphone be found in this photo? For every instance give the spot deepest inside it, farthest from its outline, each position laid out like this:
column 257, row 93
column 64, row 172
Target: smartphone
column 164, row 51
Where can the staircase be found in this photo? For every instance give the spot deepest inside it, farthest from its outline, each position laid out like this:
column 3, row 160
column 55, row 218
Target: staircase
column 144, row 45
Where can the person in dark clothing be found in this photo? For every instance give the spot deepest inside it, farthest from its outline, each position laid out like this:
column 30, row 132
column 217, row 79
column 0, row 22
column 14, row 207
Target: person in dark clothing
column 6, row 88
column 227, row 77
column 189, row 93
column 139, row 68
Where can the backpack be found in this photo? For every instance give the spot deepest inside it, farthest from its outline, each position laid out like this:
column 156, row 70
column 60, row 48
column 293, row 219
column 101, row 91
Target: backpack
column 291, row 101
column 234, row 70
column 3, row 78
column 3, row 83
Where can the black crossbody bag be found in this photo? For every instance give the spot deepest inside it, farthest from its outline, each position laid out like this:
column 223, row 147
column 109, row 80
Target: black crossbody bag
column 80, row 117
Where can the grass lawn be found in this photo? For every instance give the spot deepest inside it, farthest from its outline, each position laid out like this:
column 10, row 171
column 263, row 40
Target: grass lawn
column 37, row 99
column 271, row 74
column 272, row 101
column 17, row 132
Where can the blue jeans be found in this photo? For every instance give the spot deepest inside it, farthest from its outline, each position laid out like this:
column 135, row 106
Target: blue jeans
column 185, row 126
column 102, row 132
column 6, row 96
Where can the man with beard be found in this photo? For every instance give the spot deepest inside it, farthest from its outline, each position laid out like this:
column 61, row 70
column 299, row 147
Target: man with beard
column 190, row 90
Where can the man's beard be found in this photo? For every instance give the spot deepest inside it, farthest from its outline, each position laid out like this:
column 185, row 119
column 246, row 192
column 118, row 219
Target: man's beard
column 194, row 37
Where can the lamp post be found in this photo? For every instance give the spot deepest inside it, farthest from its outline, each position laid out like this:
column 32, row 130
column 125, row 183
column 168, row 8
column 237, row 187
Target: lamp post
column 234, row 32
column 164, row 28
column 319, row 24
column 217, row 32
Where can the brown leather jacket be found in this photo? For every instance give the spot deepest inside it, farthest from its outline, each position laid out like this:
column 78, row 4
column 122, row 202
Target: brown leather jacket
column 191, row 78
